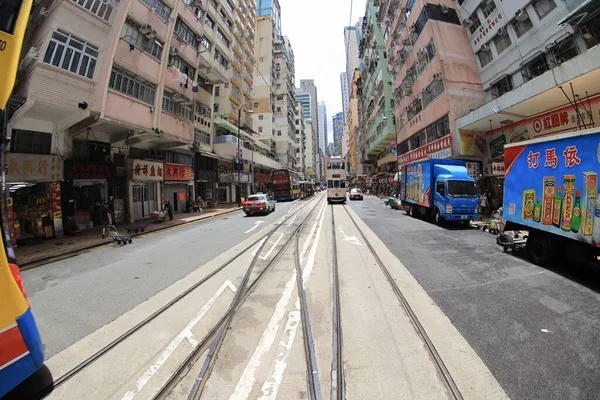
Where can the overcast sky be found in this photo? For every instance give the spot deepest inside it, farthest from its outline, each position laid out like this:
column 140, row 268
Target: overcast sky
column 316, row 30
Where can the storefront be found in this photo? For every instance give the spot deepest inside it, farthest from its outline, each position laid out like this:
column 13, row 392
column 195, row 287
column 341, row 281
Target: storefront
column 206, row 165
column 262, row 184
column 179, row 184
column 85, row 189
column 225, row 189
column 35, row 198
column 144, row 188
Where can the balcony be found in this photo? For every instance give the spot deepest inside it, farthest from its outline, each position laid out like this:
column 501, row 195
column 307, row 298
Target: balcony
column 226, row 146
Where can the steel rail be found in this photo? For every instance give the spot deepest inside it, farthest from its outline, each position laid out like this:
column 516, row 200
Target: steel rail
column 439, row 363
column 337, row 368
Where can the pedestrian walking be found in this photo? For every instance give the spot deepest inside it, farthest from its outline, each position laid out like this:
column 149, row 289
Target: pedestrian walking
column 169, row 209
column 484, row 204
column 106, row 218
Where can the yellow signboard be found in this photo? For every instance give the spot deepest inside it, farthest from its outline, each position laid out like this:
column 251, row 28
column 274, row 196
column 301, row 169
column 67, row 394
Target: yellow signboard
column 471, row 143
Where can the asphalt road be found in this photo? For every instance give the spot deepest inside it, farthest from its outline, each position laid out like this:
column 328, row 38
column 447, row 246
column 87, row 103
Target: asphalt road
column 537, row 329
column 74, row 297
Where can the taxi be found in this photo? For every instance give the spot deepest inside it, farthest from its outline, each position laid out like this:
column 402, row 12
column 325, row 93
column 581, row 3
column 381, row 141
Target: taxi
column 259, row 203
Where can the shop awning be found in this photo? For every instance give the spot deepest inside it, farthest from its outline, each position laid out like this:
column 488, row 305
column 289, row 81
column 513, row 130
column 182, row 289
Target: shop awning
column 209, row 154
column 586, row 11
column 228, row 127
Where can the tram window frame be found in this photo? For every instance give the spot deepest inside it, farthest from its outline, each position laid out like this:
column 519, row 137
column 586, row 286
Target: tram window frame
column 330, row 184
column 336, row 184
column 343, row 184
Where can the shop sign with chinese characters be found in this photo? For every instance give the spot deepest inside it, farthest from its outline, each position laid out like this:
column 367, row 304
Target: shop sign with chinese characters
column 87, row 170
column 178, row 172
column 440, row 148
column 147, row 171
column 495, row 168
column 561, row 120
column 33, row 168
column 488, row 29
column 474, row 169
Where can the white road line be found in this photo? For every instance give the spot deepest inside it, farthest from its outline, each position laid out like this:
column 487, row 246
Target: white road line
column 186, row 333
column 291, row 221
column 271, row 385
column 352, row 239
column 247, row 380
column 256, row 224
column 280, row 220
column 258, row 246
column 272, row 247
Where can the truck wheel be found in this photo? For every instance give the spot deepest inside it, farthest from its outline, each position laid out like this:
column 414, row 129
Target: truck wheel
column 408, row 209
column 538, row 248
column 437, row 218
column 414, row 211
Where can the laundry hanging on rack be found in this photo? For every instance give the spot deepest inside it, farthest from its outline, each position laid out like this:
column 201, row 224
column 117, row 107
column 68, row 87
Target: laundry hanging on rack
column 182, row 79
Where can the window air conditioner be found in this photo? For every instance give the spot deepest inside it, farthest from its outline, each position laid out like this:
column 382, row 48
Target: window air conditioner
column 467, row 22
column 173, row 51
column 422, row 52
column 445, row 9
column 437, row 76
column 521, row 15
column 485, row 47
column 146, row 29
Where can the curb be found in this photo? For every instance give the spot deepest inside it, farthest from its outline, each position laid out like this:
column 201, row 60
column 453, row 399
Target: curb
column 73, row 252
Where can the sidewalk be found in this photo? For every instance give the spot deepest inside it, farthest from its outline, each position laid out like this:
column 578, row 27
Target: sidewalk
column 46, row 249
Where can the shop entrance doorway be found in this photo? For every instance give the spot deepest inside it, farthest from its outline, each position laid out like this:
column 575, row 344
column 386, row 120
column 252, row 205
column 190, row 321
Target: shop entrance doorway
column 144, row 199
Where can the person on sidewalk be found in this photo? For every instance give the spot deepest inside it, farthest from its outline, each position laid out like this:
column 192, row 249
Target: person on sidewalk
column 169, row 209
column 106, row 218
column 484, row 204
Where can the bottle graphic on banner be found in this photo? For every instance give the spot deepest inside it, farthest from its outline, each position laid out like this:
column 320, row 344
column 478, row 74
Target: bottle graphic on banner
column 557, row 208
column 537, row 211
column 596, row 234
column 576, row 218
column 569, row 199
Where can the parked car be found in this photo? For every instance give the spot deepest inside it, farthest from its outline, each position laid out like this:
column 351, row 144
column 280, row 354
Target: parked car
column 355, row 194
column 259, row 203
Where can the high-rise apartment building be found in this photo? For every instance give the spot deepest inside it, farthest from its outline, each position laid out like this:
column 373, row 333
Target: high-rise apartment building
column 352, row 36
column 353, row 130
column 375, row 94
column 322, row 112
column 270, row 8
column 300, row 139
column 525, row 52
column 274, row 90
column 128, row 87
column 338, row 129
column 434, row 75
column 345, row 95
column 307, row 93
column 237, row 93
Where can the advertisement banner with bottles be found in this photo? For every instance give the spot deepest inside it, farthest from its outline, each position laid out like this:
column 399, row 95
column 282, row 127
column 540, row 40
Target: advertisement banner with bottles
column 417, row 183
column 553, row 186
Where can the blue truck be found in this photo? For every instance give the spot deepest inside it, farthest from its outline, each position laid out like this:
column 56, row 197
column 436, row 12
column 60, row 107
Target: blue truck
column 551, row 191
column 439, row 189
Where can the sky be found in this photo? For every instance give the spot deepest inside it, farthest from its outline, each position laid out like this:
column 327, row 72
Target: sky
column 316, row 31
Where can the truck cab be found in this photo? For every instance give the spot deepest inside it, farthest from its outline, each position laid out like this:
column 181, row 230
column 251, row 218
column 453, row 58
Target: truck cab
column 456, row 197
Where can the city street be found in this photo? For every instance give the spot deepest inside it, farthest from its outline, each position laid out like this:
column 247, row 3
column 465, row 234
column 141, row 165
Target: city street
column 501, row 326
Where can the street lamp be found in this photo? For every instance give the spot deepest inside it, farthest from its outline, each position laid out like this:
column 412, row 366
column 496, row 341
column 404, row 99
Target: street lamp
column 239, row 157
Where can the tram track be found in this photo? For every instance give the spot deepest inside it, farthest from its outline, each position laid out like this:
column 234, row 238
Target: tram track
column 130, row 332
column 443, row 371
column 337, row 361
column 214, row 339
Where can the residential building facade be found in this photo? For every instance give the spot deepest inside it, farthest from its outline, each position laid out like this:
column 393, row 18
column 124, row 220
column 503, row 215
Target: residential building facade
column 345, row 95
column 338, row 130
column 435, row 78
column 352, row 36
column 538, row 63
column 116, row 103
column 307, row 93
column 322, row 120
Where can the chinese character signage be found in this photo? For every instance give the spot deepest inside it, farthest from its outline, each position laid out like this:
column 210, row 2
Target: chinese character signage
column 471, row 143
column 33, row 168
column 495, row 168
column 474, row 169
column 440, row 148
column 496, row 146
column 553, row 186
column 177, row 172
column 262, row 177
column 87, row 170
column 488, row 29
column 147, row 171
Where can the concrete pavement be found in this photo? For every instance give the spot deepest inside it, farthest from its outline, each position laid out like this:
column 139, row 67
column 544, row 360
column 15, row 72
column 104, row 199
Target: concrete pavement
column 536, row 329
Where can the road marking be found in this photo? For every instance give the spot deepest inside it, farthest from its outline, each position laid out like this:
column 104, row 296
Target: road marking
column 272, row 247
column 271, row 386
column 258, row 246
column 186, row 333
column 256, row 224
column 247, row 380
column 291, row 221
column 351, row 239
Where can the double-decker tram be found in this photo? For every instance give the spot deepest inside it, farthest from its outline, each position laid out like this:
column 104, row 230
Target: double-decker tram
column 335, row 177
column 285, row 184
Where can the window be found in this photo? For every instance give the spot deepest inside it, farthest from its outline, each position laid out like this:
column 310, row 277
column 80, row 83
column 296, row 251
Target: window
column 182, row 65
column 475, row 23
column 186, row 34
column 280, row 97
column 502, row 42
column 260, row 129
column 438, row 129
column 201, row 137
column 221, row 59
column 210, row 22
column 417, row 140
column 543, row 7
column 278, row 108
column 216, row 107
column 131, row 85
column 260, row 117
column 535, row 67
column 414, row 108
column 228, row 4
column 278, row 133
column 521, row 27
column 502, row 86
column 131, row 33
column 261, row 59
column 217, row 91
column 256, row 104
column 177, row 104
column 206, row 43
column 223, row 38
column 161, row 9
column 488, row 8
column 100, row 8
column 71, row 54
column 278, row 86
column 485, row 57
column 439, row 188
column 432, row 91
column 178, row 158
column 564, row 50
column 30, row 142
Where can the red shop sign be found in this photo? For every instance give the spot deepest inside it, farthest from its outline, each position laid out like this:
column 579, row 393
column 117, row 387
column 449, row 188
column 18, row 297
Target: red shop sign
column 178, row 172
column 424, row 151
